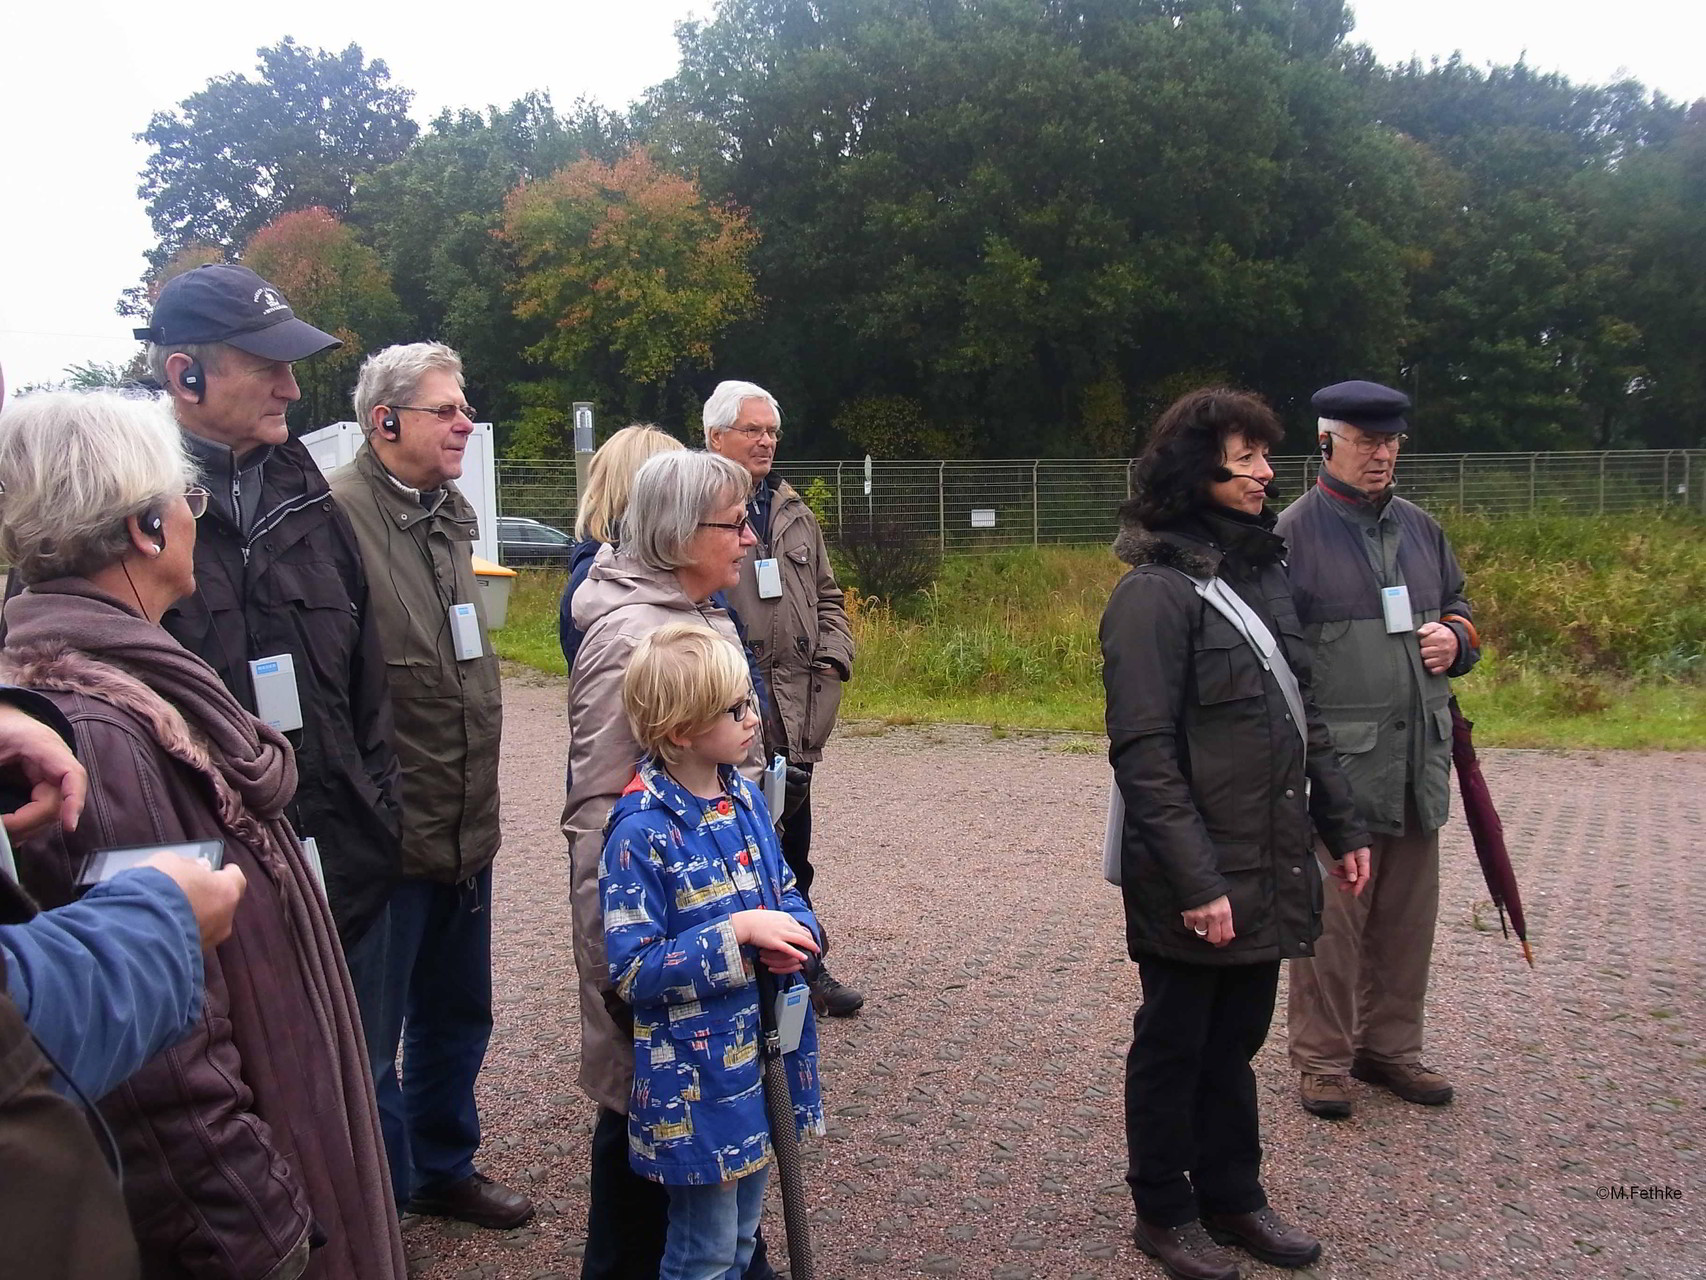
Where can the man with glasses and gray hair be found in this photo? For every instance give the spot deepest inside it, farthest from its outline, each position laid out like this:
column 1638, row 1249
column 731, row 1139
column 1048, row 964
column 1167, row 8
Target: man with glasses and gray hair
column 280, row 610
column 788, row 600
column 416, row 531
column 1381, row 598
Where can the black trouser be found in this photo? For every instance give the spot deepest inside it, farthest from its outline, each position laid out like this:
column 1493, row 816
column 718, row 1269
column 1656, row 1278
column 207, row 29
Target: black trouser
column 627, row 1215
column 1192, row 1133
column 796, row 839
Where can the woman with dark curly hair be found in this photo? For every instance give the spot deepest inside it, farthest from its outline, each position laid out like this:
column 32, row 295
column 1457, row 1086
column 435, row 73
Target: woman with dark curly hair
column 1223, row 764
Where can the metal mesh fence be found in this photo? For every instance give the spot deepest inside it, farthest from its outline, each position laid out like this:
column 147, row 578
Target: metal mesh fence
column 967, row 507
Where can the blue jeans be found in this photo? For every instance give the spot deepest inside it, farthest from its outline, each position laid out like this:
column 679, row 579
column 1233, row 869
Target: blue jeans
column 712, row 1228
column 437, row 1004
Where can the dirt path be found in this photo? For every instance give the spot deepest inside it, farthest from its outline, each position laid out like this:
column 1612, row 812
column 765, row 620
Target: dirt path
column 975, row 1104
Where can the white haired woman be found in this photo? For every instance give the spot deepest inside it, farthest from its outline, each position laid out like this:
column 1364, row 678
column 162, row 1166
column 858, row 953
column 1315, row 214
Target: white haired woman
column 683, row 536
column 252, row 1148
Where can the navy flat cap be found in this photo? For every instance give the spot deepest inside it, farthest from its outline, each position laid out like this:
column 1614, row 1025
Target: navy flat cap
column 1362, row 404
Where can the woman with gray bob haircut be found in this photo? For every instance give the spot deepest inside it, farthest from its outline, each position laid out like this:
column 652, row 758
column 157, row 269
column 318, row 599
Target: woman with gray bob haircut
column 683, row 537
column 256, row 1138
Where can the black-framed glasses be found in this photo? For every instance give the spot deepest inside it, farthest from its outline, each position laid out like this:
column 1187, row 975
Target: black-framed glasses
column 742, row 524
column 443, row 412
column 747, row 705
column 196, row 497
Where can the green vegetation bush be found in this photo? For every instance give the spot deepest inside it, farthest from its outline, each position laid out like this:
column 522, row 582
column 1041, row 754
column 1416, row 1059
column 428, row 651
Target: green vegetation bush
column 1595, row 633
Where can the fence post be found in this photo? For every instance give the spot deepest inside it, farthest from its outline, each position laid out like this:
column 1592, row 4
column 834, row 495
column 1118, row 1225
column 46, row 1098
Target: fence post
column 840, row 524
column 1036, row 521
column 1129, row 464
column 1533, row 466
column 1664, row 482
column 1462, row 501
column 942, row 505
column 1602, row 458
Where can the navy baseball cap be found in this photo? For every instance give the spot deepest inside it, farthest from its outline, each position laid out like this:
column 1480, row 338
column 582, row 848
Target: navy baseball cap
column 1362, row 404
column 222, row 302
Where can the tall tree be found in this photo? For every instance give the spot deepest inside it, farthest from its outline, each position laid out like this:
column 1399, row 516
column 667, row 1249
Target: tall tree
column 337, row 284
column 433, row 216
column 235, row 155
column 627, row 275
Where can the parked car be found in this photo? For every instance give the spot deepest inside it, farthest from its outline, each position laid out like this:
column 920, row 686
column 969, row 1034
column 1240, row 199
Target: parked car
column 523, row 541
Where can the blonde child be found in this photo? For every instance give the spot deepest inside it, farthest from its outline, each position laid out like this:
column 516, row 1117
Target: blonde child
column 696, row 896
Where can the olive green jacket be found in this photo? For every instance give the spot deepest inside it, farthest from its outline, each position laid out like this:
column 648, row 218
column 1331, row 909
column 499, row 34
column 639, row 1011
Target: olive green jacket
column 448, row 713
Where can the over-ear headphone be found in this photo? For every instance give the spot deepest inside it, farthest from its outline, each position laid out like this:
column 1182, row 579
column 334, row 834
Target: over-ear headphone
column 1327, row 445
column 388, row 425
column 193, row 380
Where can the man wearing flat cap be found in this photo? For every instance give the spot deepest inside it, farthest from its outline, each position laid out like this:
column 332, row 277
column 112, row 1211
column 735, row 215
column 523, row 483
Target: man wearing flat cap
column 1381, row 598
column 280, row 609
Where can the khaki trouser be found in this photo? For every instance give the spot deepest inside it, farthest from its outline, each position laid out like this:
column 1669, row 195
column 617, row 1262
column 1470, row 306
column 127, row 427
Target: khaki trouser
column 1362, row 994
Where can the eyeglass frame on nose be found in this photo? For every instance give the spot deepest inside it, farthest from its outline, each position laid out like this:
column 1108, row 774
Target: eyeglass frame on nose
column 1372, row 444
column 744, row 523
column 745, row 707
column 752, row 433
column 443, row 412
column 196, row 499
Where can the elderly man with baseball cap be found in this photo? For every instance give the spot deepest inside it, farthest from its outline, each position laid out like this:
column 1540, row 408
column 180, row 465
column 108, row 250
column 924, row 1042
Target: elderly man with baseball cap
column 1381, row 598
column 280, row 609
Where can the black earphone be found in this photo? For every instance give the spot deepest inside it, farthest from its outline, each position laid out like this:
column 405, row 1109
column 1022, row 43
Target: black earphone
column 193, row 380
column 388, row 426
column 155, row 524
column 1327, row 445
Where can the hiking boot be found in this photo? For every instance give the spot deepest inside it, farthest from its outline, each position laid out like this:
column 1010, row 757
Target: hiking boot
column 475, row 1199
column 1411, row 1081
column 1186, row 1252
column 832, row 999
column 1265, row 1235
column 1326, row 1096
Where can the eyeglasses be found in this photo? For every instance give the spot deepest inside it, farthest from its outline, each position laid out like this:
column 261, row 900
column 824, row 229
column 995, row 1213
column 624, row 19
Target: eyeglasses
column 1374, row 444
column 443, row 412
column 196, row 497
column 745, row 707
column 740, row 526
column 752, row 433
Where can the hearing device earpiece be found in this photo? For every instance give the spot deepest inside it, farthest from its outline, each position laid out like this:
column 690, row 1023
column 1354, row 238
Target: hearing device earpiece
column 1327, row 445
column 155, row 524
column 193, row 380
column 388, row 425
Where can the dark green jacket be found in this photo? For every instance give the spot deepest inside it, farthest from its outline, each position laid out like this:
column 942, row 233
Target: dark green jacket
column 449, row 714
column 1388, row 715
column 1219, row 789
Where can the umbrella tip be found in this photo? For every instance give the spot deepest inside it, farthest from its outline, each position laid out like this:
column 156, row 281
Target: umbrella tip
column 1527, row 953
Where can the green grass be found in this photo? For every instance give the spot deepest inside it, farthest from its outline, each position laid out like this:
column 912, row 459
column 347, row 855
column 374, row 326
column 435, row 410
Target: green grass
column 1595, row 631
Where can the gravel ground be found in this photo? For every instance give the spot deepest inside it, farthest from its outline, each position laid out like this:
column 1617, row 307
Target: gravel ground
column 975, row 1116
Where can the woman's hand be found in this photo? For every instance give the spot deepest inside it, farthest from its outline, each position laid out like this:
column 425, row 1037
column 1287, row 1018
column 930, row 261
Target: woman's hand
column 1352, row 872
column 778, row 937
column 1212, row 922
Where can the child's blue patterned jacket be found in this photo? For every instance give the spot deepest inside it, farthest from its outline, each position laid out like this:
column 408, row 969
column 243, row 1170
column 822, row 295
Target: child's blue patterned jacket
column 675, row 868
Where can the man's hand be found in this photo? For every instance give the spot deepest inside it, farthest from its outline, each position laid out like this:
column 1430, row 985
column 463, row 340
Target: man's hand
column 1212, row 922
column 1352, row 872
column 213, row 895
column 1439, row 647
column 58, row 785
column 778, row 937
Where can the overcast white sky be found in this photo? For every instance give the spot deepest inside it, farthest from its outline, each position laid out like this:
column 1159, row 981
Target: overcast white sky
column 79, row 77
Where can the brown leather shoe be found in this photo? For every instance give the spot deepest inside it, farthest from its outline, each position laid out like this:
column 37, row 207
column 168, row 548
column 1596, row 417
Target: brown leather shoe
column 1265, row 1235
column 1186, row 1252
column 1326, row 1096
column 476, row 1199
column 1411, row 1081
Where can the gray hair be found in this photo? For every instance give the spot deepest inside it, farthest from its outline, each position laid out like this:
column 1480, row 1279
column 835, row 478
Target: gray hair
column 391, row 376
column 209, row 355
column 672, row 493
column 723, row 407
column 73, row 466
column 1329, row 427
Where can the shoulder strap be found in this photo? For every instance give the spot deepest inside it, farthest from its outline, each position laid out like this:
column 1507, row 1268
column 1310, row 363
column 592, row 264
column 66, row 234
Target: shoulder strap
column 1268, row 651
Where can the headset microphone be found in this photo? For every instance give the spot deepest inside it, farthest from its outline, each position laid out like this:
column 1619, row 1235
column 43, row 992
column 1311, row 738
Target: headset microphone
column 1222, row 474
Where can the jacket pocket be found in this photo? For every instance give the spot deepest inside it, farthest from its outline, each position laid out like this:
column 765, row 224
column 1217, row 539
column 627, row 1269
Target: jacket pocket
column 1226, row 672
column 1245, row 868
column 720, row 1051
column 1354, row 737
column 823, row 701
